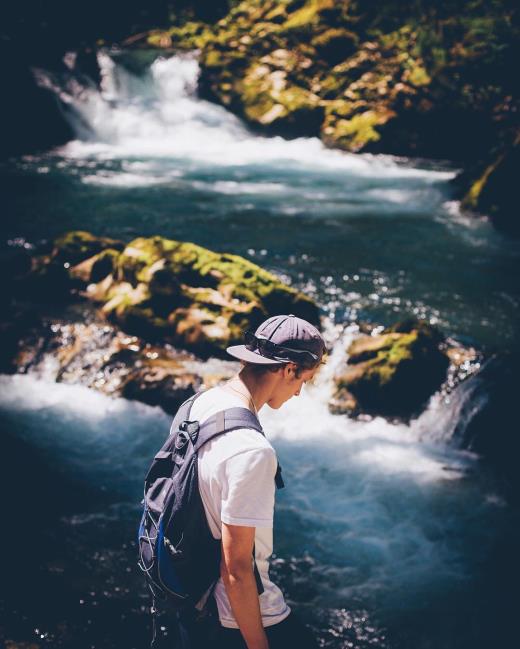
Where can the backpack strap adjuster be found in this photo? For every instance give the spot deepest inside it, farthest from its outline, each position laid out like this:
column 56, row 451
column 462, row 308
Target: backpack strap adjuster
column 191, row 428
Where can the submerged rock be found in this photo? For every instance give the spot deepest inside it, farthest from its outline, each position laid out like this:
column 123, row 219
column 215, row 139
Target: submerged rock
column 487, row 422
column 166, row 290
column 393, row 373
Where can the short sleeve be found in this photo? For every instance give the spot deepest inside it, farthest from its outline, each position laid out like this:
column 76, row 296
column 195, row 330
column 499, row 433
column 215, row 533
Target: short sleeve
column 248, row 493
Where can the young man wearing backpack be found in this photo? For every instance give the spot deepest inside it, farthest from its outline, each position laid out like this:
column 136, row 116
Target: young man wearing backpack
column 236, row 474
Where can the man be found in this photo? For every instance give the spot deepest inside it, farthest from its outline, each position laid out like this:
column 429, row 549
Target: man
column 237, row 483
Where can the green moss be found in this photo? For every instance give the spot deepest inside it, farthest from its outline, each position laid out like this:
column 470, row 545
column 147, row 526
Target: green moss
column 395, row 372
column 418, row 76
column 270, row 100
column 195, row 296
column 471, row 199
column 358, row 131
column 76, row 246
column 308, row 15
column 189, row 36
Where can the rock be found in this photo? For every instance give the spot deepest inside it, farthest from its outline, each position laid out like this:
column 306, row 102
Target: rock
column 375, row 77
column 15, row 323
column 161, row 382
column 335, row 45
column 76, row 246
column 95, row 268
column 391, row 374
column 76, row 258
column 179, row 292
column 165, row 290
column 487, row 419
column 270, row 101
column 101, row 357
column 494, row 190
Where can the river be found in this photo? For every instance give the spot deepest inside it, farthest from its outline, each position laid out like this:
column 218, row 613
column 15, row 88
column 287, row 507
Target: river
column 387, row 535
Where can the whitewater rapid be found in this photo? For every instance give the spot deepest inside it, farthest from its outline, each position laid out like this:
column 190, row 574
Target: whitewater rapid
column 158, row 117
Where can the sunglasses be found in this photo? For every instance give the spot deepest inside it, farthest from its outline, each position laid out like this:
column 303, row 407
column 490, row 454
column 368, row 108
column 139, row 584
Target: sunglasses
column 268, row 349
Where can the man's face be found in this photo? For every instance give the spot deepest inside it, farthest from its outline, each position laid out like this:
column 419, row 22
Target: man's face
column 289, row 384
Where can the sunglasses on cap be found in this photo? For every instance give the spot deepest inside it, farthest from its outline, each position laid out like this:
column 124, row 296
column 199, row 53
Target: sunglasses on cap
column 268, row 349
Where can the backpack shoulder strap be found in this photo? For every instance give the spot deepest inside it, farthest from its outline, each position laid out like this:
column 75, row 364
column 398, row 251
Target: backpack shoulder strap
column 225, row 421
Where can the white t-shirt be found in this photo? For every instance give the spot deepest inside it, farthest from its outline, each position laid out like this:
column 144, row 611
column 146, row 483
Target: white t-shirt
column 236, row 483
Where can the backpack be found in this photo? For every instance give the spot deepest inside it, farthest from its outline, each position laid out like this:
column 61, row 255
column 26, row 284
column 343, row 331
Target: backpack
column 177, row 552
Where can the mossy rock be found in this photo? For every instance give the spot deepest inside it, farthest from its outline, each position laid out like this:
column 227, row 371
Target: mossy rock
column 189, row 36
column 105, row 264
column 188, row 295
column 494, row 190
column 269, row 100
column 96, row 268
column 305, row 17
column 358, row 132
column 74, row 247
column 392, row 374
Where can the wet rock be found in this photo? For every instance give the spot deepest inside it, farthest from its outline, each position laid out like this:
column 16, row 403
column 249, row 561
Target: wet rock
column 376, row 77
column 101, row 357
column 271, row 101
column 161, row 382
column 16, row 322
column 75, row 259
column 164, row 290
column 76, row 246
column 95, row 268
column 393, row 373
column 487, row 422
column 192, row 297
column 493, row 192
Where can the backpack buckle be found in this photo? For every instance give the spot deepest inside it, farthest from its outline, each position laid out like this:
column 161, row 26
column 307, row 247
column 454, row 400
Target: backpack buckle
column 191, row 428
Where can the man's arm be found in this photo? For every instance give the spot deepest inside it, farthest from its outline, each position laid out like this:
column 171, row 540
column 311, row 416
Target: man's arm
column 236, row 570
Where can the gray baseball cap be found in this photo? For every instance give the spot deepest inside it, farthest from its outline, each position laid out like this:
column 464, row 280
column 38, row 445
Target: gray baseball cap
column 287, row 331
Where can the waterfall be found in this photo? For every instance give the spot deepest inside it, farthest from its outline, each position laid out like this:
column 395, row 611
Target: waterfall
column 158, row 114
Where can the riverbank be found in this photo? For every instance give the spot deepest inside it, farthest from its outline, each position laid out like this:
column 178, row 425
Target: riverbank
column 382, row 78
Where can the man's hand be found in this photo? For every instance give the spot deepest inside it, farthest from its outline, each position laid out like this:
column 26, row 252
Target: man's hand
column 236, row 570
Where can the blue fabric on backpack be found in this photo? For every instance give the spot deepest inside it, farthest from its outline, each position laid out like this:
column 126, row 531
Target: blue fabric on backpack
column 177, row 551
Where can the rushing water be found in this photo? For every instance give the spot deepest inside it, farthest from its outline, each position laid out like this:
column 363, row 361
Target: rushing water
column 387, row 535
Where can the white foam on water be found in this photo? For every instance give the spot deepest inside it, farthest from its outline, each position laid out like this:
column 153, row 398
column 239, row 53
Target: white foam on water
column 233, row 187
column 159, row 115
column 385, row 493
column 121, row 179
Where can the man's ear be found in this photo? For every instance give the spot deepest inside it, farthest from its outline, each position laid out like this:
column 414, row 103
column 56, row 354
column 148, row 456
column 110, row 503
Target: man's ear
column 289, row 370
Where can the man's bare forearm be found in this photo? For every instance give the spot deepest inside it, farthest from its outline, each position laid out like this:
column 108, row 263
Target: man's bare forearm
column 242, row 591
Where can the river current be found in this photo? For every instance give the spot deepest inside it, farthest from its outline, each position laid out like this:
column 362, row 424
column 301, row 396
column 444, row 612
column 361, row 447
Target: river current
column 387, row 535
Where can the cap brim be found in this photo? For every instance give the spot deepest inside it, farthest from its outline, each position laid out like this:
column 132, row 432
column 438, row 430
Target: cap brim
column 243, row 354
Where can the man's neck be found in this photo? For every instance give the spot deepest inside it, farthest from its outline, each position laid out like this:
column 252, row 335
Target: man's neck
column 259, row 386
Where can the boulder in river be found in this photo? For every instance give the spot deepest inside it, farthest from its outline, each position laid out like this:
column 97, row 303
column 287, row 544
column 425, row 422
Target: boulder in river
column 392, row 373
column 493, row 191
column 488, row 419
column 166, row 290
column 99, row 356
column 75, row 246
